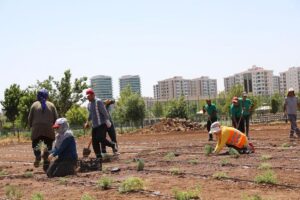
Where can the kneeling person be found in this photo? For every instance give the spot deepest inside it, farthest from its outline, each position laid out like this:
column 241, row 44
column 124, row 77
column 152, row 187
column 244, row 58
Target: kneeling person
column 64, row 149
column 231, row 137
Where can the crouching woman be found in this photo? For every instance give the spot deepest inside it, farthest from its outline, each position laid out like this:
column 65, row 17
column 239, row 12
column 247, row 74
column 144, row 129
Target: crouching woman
column 64, row 149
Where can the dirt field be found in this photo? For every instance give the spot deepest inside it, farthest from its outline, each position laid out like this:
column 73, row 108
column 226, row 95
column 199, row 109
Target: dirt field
column 163, row 173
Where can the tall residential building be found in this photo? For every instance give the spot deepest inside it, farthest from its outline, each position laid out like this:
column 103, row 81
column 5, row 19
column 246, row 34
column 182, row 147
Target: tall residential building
column 283, row 88
column 155, row 91
column 204, row 88
column 290, row 78
column 276, row 84
column 133, row 81
column 102, row 86
column 255, row 80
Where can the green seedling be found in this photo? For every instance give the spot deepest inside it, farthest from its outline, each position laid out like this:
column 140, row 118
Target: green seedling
column 105, row 183
column 41, row 147
column 188, row 194
column 268, row 177
column 225, row 162
column 265, row 157
column 132, row 184
column 193, row 162
column 234, row 153
column 13, row 192
column 87, row 197
column 28, row 174
column 37, row 196
column 3, row 173
column 175, row 171
column 252, row 197
column 220, row 175
column 140, row 165
column 170, row 156
column 265, row 166
column 63, row 181
column 285, row 145
column 208, row 149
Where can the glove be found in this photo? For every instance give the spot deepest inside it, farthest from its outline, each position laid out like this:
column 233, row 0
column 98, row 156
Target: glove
column 108, row 123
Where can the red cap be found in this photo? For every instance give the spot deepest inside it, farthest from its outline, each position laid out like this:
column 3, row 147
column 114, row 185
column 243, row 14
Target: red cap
column 89, row 91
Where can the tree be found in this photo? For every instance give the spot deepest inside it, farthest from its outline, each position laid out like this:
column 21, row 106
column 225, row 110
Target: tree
column 157, row 109
column 135, row 109
column 276, row 103
column 77, row 115
column 11, row 101
column 29, row 96
column 177, row 108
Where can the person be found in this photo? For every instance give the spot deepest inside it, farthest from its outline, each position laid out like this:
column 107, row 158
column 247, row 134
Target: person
column 100, row 123
column 64, row 149
column 231, row 137
column 211, row 110
column 111, row 131
column 42, row 116
column 290, row 108
column 236, row 113
column 247, row 107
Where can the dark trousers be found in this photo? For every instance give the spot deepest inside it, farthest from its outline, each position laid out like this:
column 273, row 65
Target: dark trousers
column 60, row 168
column 112, row 135
column 209, row 122
column 247, row 122
column 36, row 150
column 99, row 136
column 240, row 150
column 238, row 123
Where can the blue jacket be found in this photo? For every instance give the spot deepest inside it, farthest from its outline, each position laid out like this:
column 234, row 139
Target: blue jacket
column 67, row 149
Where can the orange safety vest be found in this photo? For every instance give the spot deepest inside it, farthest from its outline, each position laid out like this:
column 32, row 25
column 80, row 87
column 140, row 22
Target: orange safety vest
column 236, row 138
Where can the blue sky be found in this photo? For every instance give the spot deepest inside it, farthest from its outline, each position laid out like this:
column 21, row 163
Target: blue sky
column 155, row 39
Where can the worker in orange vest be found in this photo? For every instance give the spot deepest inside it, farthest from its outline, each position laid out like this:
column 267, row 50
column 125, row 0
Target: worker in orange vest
column 230, row 137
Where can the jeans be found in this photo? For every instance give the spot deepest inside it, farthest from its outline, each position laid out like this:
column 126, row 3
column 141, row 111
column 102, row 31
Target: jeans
column 112, row 135
column 293, row 119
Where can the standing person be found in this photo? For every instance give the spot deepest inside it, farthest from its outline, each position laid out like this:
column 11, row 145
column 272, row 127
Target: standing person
column 236, row 113
column 64, row 149
column 111, row 131
column 211, row 110
column 100, row 123
column 230, row 137
column 290, row 108
column 42, row 116
column 247, row 107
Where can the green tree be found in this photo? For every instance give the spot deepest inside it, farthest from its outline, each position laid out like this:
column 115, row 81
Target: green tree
column 29, row 96
column 177, row 108
column 77, row 115
column 135, row 109
column 157, row 109
column 276, row 103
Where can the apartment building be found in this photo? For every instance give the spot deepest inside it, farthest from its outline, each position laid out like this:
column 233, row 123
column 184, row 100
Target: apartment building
column 102, row 86
column 290, row 78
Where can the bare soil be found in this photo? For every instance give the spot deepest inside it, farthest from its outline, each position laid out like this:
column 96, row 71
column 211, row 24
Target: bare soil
column 195, row 169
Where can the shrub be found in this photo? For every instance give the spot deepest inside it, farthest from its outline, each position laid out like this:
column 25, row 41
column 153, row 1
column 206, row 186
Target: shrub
column 131, row 184
column 220, row 175
column 268, row 177
column 37, row 196
column 265, row 166
column 170, row 156
column 187, row 195
column 234, row 153
column 87, row 197
column 13, row 192
column 208, row 149
column 104, row 183
column 265, row 157
column 140, row 165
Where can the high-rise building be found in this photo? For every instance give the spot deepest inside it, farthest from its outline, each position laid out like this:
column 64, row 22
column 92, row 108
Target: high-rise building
column 276, row 84
column 155, row 91
column 133, row 81
column 102, row 86
column 290, row 79
column 204, row 88
column 283, row 87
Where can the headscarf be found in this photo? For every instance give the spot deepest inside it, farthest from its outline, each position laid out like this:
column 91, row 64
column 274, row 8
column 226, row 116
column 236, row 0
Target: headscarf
column 63, row 132
column 42, row 97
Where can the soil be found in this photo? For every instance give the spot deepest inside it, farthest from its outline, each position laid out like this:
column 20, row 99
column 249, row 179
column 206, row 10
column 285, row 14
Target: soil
column 192, row 166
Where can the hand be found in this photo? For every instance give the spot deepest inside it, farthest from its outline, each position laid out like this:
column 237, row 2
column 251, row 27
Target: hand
column 86, row 125
column 50, row 157
column 108, row 123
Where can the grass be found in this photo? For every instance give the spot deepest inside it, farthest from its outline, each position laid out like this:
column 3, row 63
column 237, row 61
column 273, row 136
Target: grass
column 13, row 192
column 105, row 183
column 193, row 162
column 37, row 196
column 225, row 162
column 208, row 149
column 234, row 153
column 252, row 197
column 175, row 171
column 220, row 175
column 140, row 165
column 87, row 197
column 265, row 157
column 265, row 166
column 28, row 174
column 268, row 177
column 63, row 181
column 132, row 184
column 188, row 194
column 169, row 156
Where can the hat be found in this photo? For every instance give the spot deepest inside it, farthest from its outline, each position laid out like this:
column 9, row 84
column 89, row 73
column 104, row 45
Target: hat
column 245, row 94
column 89, row 91
column 59, row 122
column 235, row 100
column 215, row 127
column 291, row 89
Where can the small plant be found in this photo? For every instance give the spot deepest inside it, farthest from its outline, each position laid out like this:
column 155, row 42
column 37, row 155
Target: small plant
column 265, row 157
column 193, row 162
column 3, row 173
column 234, row 153
column 28, row 174
column 41, row 146
column 63, row 181
column 131, row 184
column 220, row 175
column 170, row 156
column 87, row 197
column 252, row 197
column 265, row 166
column 175, row 171
column 268, row 177
column 187, row 195
column 13, row 192
column 104, row 183
column 37, row 196
column 140, row 165
column 285, row 145
column 225, row 162
column 208, row 149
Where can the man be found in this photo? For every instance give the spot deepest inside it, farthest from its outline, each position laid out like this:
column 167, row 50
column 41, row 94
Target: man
column 42, row 116
column 290, row 108
column 100, row 123
column 247, row 107
column 236, row 113
column 231, row 137
column 64, row 149
column 211, row 110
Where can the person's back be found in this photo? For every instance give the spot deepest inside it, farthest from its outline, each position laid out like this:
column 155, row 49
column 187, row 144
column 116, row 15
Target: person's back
column 290, row 109
column 291, row 105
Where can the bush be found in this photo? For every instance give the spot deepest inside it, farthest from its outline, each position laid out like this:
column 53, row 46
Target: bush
column 187, row 195
column 104, row 183
column 268, row 177
column 208, row 149
column 131, row 184
column 37, row 196
column 140, row 165
column 220, row 175
column 13, row 192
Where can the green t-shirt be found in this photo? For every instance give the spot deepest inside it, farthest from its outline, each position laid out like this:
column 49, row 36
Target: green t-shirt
column 211, row 110
column 235, row 111
column 246, row 105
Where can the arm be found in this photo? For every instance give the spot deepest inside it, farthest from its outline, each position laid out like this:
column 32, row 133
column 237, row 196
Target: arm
column 68, row 141
column 103, row 110
column 221, row 143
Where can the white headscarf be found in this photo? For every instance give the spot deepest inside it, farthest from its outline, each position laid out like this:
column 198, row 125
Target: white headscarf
column 63, row 132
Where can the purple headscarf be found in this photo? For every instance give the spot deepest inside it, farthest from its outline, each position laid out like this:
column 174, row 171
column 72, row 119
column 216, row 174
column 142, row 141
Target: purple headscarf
column 42, row 96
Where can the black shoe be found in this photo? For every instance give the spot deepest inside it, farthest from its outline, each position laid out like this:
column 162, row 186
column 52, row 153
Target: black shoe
column 210, row 137
column 115, row 148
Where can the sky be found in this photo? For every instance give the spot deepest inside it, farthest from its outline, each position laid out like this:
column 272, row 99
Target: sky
column 155, row 39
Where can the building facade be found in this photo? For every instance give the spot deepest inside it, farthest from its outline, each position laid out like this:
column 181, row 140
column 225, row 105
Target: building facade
column 204, row 88
column 133, row 81
column 102, row 86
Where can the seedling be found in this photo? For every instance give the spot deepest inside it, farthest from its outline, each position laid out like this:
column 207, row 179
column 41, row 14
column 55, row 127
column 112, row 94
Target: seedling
column 268, row 177
column 87, row 197
column 234, row 153
column 104, row 183
column 265, row 157
column 3, row 173
column 285, row 145
column 225, row 162
column 41, row 147
column 37, row 196
column 175, row 171
column 13, row 192
column 63, row 181
column 170, row 156
column 193, row 162
column 220, row 175
column 132, row 184
column 265, row 166
column 253, row 197
column 28, row 174
column 188, row 194
column 208, row 149
column 140, row 165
